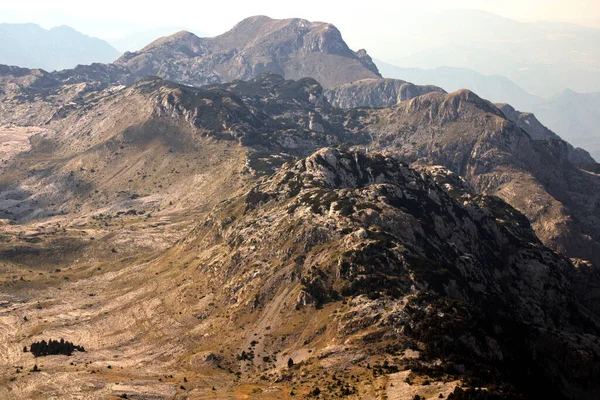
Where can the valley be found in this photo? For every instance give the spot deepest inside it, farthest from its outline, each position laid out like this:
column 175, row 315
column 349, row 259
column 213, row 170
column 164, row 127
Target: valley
column 260, row 215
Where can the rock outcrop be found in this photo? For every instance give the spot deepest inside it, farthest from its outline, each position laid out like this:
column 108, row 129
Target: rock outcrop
column 376, row 93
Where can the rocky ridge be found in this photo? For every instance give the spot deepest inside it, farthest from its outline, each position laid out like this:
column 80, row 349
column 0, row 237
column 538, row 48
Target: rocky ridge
column 354, row 227
column 377, row 93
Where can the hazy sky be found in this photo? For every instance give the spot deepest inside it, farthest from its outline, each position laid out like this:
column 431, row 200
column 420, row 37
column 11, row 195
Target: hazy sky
column 114, row 18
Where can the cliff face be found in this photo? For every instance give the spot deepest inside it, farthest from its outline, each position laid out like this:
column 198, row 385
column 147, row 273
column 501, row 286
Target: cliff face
column 376, row 93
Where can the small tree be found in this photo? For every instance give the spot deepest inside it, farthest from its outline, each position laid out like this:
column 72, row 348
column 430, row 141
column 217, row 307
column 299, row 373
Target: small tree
column 290, row 363
column 24, row 349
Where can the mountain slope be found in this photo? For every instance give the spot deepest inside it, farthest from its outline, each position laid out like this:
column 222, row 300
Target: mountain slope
column 363, row 272
column 28, row 45
column 148, row 219
column 461, row 131
column 573, row 115
column 156, row 126
column 390, row 226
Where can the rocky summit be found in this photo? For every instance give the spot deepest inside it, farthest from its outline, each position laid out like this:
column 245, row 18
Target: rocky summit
column 260, row 215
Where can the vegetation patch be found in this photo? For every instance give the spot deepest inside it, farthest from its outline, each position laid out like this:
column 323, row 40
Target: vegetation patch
column 54, row 347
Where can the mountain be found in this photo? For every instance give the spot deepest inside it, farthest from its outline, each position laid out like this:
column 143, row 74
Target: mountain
column 139, row 39
column 473, row 138
column 247, row 238
column 512, row 164
column 575, row 116
column 294, row 48
column 380, row 93
column 377, row 213
column 210, row 242
column 29, row 45
column 562, row 224
column 189, row 59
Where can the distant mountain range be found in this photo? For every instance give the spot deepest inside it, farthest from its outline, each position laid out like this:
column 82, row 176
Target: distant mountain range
column 495, row 88
column 543, row 58
column 574, row 116
column 31, row 46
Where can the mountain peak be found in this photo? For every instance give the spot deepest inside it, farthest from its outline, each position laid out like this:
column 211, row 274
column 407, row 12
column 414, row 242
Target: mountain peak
column 338, row 169
column 176, row 41
column 183, row 34
column 449, row 106
column 466, row 96
column 63, row 28
column 293, row 48
column 255, row 19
